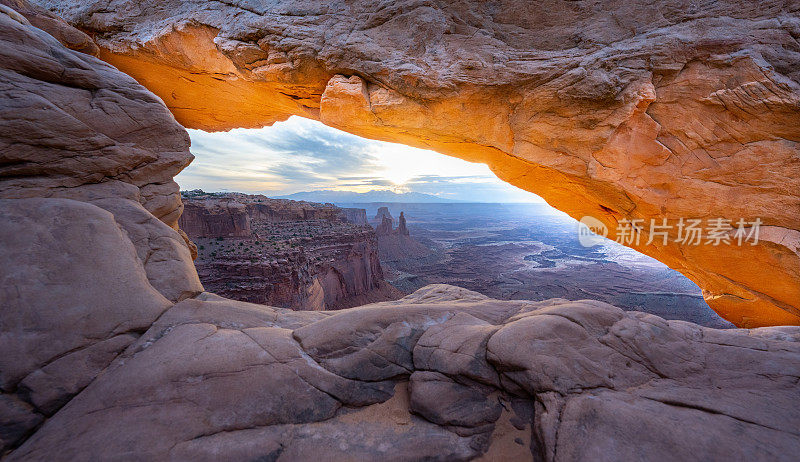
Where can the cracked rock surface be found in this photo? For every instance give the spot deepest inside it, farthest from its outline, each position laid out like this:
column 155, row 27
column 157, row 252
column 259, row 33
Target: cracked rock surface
column 431, row 376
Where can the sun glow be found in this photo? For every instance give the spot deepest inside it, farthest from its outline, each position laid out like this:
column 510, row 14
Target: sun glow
column 400, row 164
column 302, row 155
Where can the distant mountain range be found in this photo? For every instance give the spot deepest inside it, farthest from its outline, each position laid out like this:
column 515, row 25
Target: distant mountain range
column 347, row 197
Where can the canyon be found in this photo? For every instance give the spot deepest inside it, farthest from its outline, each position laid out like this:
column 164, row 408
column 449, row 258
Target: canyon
column 522, row 251
column 310, row 256
column 284, row 253
column 112, row 348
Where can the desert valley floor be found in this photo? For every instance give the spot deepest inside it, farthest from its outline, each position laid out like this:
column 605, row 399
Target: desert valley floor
column 530, row 252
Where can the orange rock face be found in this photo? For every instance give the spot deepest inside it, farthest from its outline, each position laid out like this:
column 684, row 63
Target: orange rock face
column 619, row 111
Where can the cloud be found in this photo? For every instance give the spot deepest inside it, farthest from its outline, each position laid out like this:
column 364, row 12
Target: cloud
column 436, row 179
column 300, row 155
column 297, row 173
column 378, row 182
column 316, row 147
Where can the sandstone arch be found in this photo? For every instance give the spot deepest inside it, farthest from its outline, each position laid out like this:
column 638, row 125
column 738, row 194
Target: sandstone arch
column 618, row 110
column 112, row 350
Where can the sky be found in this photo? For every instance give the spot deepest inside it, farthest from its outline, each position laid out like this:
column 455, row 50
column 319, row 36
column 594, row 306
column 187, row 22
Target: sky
column 305, row 155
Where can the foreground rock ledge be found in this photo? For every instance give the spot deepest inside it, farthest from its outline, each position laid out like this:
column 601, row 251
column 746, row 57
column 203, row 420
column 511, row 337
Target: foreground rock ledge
column 613, row 110
column 443, row 374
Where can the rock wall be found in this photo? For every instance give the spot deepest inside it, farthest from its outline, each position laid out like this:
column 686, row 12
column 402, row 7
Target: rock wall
column 355, row 215
column 88, row 220
column 385, row 227
column 82, row 139
column 395, row 244
column 615, row 110
column 383, row 213
column 230, row 214
column 402, row 229
column 220, row 219
column 284, row 253
column 43, row 19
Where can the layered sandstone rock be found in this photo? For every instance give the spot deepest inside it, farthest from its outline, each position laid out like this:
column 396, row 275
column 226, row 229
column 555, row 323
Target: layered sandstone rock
column 284, row 253
column 231, row 214
column 444, row 374
column 396, row 244
column 87, row 157
column 383, row 214
column 385, row 227
column 616, row 110
column 43, row 19
column 74, row 295
column 75, row 127
column 402, row 229
column 355, row 215
column 214, row 218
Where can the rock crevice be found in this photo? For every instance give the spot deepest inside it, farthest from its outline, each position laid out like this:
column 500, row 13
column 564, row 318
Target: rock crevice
column 571, row 363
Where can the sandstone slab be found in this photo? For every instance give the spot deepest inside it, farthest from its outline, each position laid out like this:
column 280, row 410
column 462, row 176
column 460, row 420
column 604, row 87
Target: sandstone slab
column 217, row 379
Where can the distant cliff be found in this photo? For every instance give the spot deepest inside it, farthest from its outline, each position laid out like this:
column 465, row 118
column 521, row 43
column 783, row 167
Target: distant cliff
column 284, row 253
column 215, row 218
column 383, row 212
column 229, row 214
column 395, row 244
column 355, row 216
